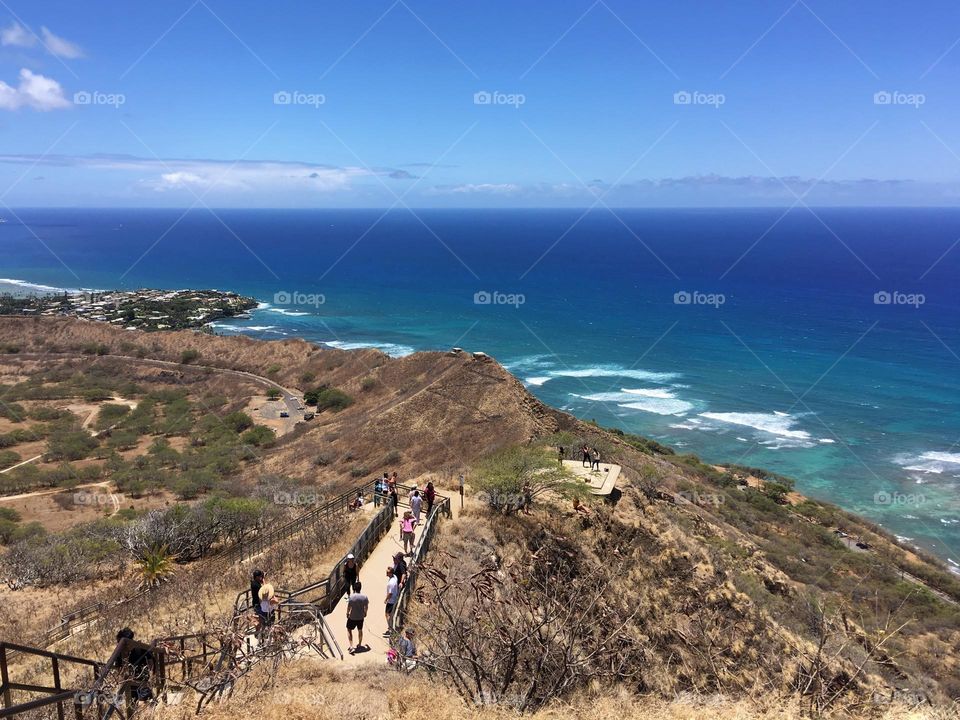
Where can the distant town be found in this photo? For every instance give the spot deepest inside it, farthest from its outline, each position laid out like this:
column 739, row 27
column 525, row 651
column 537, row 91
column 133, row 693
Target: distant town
column 134, row 309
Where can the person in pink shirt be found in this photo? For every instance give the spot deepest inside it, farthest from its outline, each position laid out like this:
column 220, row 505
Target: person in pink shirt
column 407, row 525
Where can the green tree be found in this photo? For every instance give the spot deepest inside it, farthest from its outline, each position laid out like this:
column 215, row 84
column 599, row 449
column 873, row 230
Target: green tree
column 501, row 477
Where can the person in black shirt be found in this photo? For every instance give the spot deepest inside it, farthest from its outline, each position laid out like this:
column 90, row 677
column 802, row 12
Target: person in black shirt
column 137, row 659
column 351, row 573
column 399, row 568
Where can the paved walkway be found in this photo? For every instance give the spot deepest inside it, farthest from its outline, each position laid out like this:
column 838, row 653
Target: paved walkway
column 373, row 577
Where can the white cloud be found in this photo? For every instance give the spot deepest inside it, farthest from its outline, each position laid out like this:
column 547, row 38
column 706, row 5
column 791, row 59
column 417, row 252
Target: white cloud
column 60, row 46
column 480, row 188
column 17, row 35
column 34, row 91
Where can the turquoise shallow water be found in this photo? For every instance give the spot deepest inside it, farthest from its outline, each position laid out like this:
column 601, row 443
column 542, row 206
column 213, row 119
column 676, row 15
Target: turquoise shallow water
column 705, row 329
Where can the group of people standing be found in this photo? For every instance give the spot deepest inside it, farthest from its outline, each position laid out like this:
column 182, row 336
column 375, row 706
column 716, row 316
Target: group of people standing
column 589, row 456
column 386, row 490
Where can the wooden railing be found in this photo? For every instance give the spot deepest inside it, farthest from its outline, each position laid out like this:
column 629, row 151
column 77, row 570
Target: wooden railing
column 441, row 507
column 240, row 551
column 58, row 694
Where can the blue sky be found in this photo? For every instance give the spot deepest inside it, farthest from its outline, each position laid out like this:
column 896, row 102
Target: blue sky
column 495, row 104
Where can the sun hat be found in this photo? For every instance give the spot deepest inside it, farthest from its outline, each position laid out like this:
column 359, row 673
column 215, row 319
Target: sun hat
column 267, row 592
column 350, row 556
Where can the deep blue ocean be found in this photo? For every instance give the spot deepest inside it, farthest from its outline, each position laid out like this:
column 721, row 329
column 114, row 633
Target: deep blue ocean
column 824, row 345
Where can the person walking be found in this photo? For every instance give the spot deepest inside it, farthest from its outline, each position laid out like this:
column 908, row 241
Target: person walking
column 269, row 602
column 377, row 492
column 585, row 455
column 357, row 606
column 393, row 594
column 595, row 465
column 416, row 505
column 394, row 500
column 351, row 572
column 407, row 526
column 400, row 568
column 527, row 498
column 560, row 454
column 430, row 495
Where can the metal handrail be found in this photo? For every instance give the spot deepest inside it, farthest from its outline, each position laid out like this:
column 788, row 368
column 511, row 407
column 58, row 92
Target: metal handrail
column 419, row 551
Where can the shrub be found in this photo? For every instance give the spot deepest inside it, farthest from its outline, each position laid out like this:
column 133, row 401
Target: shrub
column 8, row 458
column 238, row 421
column 359, row 472
column 70, row 445
column 333, row 399
column 368, row 383
column 259, row 435
column 273, row 394
column 188, row 356
column 274, row 369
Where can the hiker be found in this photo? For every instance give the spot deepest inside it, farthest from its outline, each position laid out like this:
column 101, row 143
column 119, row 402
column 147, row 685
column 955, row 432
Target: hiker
column 351, row 572
column 585, row 455
column 578, row 507
column 393, row 594
column 268, row 605
column 395, row 479
column 394, row 500
column 430, row 495
column 377, row 490
column 407, row 650
column 388, row 482
column 527, row 498
column 400, row 568
column 560, row 454
column 596, row 461
column 357, row 504
column 416, row 504
column 138, row 662
column 407, row 525
column 256, row 582
column 357, row 606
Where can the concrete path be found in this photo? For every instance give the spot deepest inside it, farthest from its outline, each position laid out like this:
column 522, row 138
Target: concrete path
column 373, row 577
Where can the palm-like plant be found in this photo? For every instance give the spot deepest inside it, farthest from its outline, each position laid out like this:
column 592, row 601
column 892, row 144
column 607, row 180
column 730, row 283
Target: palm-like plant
column 155, row 565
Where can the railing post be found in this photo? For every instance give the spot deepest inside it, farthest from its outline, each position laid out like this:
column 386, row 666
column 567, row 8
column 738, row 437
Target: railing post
column 4, row 676
column 55, row 663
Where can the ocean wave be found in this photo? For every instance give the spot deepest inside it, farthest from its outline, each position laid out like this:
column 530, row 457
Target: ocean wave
column 614, row 371
column 391, row 349
column 247, row 328
column 284, row 311
column 536, row 380
column 659, row 402
column 780, row 425
column 933, row 462
column 528, row 363
column 37, row 287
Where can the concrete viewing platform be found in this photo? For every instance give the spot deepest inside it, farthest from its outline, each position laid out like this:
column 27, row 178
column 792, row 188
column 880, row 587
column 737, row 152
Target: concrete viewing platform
column 601, row 482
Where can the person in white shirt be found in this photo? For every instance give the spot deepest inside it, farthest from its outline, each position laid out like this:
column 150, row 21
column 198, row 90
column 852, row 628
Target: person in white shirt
column 416, row 503
column 393, row 594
